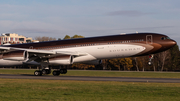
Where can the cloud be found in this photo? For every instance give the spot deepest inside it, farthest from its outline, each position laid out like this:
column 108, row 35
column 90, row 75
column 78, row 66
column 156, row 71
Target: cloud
column 127, row 13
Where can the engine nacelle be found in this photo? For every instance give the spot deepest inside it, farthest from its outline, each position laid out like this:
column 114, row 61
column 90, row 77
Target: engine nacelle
column 15, row 55
column 93, row 62
column 61, row 60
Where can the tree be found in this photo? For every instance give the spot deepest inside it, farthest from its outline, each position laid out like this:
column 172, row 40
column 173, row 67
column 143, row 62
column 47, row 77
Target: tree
column 126, row 63
column 175, row 57
column 67, row 37
column 142, row 62
column 116, row 63
column 105, row 63
column 44, row 38
column 82, row 66
column 77, row 36
column 160, row 59
column 164, row 56
column 137, row 63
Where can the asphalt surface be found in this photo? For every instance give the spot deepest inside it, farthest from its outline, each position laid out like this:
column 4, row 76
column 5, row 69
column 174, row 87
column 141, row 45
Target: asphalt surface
column 87, row 78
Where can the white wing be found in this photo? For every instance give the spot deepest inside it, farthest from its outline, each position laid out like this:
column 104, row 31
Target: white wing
column 33, row 54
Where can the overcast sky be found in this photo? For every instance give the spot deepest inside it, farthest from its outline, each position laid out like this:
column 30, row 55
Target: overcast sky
column 57, row 18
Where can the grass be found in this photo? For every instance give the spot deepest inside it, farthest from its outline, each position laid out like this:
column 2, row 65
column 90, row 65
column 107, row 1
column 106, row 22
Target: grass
column 101, row 73
column 60, row 90
column 66, row 90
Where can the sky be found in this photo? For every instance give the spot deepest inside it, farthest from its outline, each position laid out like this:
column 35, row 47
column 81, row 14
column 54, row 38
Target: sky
column 57, row 18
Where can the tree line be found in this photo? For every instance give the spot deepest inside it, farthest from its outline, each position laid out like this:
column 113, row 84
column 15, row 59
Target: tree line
column 168, row 60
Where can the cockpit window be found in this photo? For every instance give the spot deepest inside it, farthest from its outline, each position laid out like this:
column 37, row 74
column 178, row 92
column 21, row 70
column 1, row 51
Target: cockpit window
column 164, row 38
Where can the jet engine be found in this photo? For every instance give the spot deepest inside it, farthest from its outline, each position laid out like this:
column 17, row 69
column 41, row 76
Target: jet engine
column 61, row 60
column 19, row 55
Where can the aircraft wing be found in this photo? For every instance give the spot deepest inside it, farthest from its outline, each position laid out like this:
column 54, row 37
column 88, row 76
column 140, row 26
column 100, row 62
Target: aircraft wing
column 36, row 54
column 50, row 52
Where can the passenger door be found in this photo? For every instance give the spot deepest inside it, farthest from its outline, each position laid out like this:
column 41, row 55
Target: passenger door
column 149, row 39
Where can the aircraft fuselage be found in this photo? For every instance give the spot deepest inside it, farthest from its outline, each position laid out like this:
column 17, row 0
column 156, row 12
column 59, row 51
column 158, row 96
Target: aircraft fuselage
column 96, row 48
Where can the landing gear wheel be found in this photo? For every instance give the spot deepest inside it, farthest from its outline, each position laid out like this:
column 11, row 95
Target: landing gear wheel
column 44, row 71
column 38, row 73
column 56, row 73
column 149, row 63
column 48, row 71
column 65, row 71
column 61, row 71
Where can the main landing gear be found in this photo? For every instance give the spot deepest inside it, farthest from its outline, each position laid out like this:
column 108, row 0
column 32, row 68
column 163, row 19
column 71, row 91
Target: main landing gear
column 150, row 60
column 43, row 71
column 58, row 72
column 38, row 73
column 48, row 71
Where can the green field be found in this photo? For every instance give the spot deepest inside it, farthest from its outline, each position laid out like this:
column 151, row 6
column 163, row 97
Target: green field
column 64, row 90
column 101, row 73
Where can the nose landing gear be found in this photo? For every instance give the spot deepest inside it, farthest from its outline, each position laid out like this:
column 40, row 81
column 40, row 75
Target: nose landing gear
column 150, row 60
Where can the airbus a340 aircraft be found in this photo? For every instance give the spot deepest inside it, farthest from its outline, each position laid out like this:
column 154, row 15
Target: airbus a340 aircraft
column 84, row 50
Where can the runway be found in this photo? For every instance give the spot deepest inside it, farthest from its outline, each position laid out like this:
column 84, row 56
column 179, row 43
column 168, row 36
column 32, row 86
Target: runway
column 86, row 78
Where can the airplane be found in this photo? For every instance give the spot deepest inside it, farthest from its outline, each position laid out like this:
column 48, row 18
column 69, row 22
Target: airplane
column 83, row 50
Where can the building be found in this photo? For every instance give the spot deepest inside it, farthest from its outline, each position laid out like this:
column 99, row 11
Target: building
column 13, row 38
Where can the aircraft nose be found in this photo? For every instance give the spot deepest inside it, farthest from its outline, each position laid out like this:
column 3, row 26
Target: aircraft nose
column 173, row 43
column 169, row 44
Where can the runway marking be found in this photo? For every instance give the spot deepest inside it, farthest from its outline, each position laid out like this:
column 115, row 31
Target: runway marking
column 88, row 78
